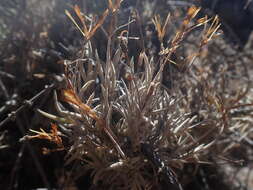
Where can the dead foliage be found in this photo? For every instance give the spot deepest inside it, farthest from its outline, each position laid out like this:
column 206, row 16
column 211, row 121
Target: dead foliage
column 155, row 119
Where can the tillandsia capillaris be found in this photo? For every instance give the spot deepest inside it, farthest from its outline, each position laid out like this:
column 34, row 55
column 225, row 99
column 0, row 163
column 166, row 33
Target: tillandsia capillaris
column 120, row 120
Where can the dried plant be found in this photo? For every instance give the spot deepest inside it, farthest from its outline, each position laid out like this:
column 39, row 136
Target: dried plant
column 129, row 130
column 126, row 126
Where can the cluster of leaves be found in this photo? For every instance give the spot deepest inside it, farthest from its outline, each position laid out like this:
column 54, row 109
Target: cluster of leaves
column 133, row 117
column 130, row 129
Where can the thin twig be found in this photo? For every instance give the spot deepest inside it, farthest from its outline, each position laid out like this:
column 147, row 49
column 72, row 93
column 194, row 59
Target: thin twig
column 15, row 168
column 4, row 74
column 4, row 90
column 26, row 104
